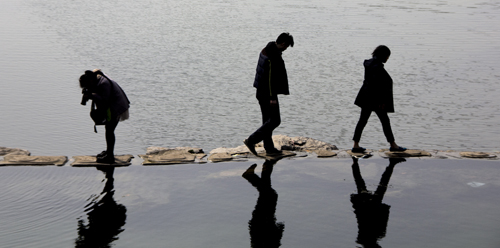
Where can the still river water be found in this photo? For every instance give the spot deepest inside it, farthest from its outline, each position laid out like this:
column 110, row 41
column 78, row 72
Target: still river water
column 188, row 69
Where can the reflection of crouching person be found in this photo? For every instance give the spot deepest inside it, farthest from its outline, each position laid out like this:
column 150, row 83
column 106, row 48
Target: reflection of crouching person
column 107, row 95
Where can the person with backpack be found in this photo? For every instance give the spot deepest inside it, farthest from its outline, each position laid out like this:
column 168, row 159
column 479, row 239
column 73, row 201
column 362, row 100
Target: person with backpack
column 111, row 106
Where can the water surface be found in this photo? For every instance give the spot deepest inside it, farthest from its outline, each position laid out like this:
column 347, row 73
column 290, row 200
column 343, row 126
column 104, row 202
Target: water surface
column 188, row 69
column 432, row 203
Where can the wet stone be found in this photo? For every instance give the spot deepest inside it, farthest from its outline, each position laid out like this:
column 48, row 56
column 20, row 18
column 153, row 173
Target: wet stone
column 13, row 151
column 20, row 160
column 90, row 161
column 325, row 153
column 407, row 153
column 166, row 156
column 477, row 155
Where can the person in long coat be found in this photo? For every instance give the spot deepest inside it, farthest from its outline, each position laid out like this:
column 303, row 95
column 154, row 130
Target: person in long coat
column 376, row 96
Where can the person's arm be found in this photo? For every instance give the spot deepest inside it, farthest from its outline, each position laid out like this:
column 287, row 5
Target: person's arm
column 273, row 97
column 103, row 92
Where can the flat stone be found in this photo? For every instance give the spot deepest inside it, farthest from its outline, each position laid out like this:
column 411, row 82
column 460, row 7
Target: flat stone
column 13, row 151
column 407, row 153
column 325, row 153
column 477, row 155
column 366, row 154
column 283, row 154
column 20, row 160
column 90, row 161
column 300, row 143
column 157, row 150
column 166, row 156
column 220, row 157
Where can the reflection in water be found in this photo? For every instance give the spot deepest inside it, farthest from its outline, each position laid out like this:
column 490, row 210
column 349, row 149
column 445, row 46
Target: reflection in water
column 371, row 213
column 264, row 230
column 105, row 217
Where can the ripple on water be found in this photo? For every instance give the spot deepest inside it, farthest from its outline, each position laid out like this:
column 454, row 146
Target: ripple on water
column 37, row 200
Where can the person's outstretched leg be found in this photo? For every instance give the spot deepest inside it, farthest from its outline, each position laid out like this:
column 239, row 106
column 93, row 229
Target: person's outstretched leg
column 270, row 120
column 386, row 126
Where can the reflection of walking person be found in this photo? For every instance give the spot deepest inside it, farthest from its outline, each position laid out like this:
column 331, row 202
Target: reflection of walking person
column 264, row 230
column 372, row 215
column 105, row 218
column 376, row 96
column 270, row 80
column 109, row 97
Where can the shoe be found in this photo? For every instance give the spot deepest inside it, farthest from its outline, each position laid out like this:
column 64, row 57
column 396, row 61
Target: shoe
column 106, row 159
column 100, row 155
column 358, row 150
column 250, row 147
column 273, row 152
column 399, row 149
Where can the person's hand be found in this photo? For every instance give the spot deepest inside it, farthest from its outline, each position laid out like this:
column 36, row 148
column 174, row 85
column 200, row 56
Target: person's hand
column 273, row 103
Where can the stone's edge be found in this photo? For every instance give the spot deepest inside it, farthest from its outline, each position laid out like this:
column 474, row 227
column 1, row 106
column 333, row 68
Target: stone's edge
column 89, row 161
column 27, row 160
column 304, row 146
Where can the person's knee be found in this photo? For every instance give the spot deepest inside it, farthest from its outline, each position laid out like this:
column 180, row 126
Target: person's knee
column 275, row 122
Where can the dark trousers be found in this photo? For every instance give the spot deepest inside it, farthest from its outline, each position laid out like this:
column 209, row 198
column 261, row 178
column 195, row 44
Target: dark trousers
column 110, row 136
column 363, row 119
column 270, row 120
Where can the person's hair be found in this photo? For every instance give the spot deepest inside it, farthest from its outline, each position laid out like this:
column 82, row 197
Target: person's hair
column 382, row 52
column 88, row 79
column 285, row 38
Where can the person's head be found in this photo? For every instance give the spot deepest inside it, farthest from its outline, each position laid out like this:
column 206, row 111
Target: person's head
column 382, row 53
column 284, row 40
column 89, row 78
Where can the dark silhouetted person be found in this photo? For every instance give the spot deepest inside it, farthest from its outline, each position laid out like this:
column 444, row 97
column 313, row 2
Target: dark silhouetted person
column 106, row 218
column 372, row 215
column 376, row 96
column 270, row 80
column 109, row 97
column 264, row 230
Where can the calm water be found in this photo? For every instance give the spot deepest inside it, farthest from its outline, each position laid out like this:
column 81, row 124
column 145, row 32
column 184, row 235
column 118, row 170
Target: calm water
column 211, row 205
column 188, row 68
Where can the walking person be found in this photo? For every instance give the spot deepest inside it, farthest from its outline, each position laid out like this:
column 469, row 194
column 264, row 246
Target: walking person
column 270, row 80
column 376, row 96
column 110, row 98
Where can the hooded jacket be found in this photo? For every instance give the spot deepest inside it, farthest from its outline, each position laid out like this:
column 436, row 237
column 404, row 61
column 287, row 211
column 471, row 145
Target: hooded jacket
column 271, row 78
column 111, row 95
column 377, row 87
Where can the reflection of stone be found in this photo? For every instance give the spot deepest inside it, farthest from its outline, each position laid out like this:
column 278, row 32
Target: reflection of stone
column 165, row 156
column 33, row 160
column 477, row 155
column 407, row 153
column 89, row 161
column 13, row 151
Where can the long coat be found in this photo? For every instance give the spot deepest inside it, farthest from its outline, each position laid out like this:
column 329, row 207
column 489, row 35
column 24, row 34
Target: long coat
column 377, row 87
